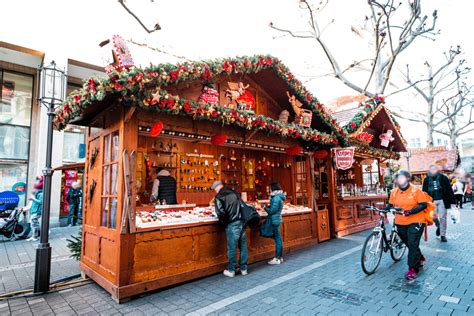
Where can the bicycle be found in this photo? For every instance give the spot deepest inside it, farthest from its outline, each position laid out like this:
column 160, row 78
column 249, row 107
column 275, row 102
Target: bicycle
column 377, row 242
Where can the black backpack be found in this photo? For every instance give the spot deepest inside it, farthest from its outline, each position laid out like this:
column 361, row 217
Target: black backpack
column 250, row 216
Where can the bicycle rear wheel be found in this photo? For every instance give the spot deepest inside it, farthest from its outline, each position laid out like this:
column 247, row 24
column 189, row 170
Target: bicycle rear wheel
column 397, row 249
column 372, row 253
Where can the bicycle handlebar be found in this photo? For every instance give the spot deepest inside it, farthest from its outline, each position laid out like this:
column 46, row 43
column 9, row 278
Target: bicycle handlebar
column 394, row 210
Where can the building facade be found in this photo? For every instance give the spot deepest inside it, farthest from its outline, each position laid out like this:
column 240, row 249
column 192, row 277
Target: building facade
column 23, row 125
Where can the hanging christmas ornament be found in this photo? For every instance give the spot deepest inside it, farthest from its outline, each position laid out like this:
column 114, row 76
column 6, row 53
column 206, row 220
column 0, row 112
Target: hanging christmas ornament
column 219, row 139
column 156, row 129
column 320, row 154
column 294, row 150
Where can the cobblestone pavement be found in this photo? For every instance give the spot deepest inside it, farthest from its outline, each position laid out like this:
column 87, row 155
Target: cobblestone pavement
column 325, row 279
column 17, row 260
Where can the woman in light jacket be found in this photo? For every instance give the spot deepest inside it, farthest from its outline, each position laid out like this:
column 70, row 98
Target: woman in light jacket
column 277, row 199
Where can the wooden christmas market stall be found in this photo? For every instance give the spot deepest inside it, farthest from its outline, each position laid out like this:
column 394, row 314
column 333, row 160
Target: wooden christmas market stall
column 245, row 121
column 349, row 178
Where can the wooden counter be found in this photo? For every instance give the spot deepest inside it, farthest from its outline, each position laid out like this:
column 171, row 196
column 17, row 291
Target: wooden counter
column 163, row 256
column 351, row 216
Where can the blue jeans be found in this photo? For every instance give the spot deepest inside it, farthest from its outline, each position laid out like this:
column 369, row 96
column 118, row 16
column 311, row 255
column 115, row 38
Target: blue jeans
column 278, row 241
column 73, row 214
column 236, row 236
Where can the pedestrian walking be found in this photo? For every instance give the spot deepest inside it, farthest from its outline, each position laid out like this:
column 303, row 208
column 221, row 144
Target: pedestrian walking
column 468, row 194
column 459, row 191
column 438, row 186
column 228, row 210
column 36, row 210
column 411, row 224
column 74, row 199
column 277, row 199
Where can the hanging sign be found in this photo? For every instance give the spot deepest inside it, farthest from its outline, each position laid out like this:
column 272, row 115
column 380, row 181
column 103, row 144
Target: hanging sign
column 344, row 157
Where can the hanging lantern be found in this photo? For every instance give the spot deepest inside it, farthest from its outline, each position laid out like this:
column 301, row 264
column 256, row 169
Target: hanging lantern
column 156, row 129
column 219, row 139
column 294, row 150
column 320, row 154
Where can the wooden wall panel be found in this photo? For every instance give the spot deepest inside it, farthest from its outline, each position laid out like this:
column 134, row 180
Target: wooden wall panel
column 108, row 255
column 91, row 247
column 300, row 228
column 212, row 246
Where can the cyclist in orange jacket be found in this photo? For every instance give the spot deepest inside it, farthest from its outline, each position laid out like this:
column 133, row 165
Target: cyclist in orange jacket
column 411, row 224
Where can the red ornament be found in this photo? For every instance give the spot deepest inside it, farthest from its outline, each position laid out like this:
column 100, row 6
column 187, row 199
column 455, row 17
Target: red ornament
column 219, row 139
column 320, row 154
column 294, row 150
column 156, row 129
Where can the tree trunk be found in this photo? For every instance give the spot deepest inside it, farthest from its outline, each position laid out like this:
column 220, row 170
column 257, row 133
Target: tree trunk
column 452, row 141
column 429, row 134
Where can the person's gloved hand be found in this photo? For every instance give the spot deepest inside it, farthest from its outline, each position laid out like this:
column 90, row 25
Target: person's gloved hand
column 407, row 213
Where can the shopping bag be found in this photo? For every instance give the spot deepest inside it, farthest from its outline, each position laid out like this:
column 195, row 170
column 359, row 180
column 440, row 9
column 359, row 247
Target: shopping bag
column 455, row 215
column 266, row 229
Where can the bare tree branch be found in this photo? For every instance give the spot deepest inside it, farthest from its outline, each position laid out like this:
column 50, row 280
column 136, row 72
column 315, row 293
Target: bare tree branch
column 157, row 26
column 386, row 36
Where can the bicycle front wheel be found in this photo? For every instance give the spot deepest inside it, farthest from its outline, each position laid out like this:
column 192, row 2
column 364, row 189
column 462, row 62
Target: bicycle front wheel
column 372, row 253
column 397, row 248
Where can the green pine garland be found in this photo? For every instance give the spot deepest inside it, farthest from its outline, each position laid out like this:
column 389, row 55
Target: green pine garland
column 133, row 87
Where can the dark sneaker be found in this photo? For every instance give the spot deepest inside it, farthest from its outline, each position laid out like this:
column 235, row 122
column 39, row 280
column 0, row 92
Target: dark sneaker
column 443, row 239
column 411, row 274
column 438, row 232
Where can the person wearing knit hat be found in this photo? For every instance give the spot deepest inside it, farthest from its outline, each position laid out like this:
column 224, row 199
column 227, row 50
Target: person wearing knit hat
column 36, row 209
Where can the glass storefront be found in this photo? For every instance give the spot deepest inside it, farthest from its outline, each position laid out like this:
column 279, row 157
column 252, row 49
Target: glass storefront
column 16, row 98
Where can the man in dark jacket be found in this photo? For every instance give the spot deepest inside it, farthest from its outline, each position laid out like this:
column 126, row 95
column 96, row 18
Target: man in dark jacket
column 227, row 203
column 437, row 185
column 164, row 188
column 74, row 199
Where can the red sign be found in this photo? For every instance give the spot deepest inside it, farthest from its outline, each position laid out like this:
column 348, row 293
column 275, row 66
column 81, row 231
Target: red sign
column 70, row 176
column 344, row 157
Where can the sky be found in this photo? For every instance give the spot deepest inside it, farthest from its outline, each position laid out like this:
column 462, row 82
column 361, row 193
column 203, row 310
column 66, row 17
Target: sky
column 212, row 28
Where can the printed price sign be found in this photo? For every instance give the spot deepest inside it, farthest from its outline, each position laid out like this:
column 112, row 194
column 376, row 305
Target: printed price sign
column 344, row 157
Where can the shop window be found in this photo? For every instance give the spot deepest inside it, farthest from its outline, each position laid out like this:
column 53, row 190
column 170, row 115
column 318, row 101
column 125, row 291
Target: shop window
column 301, row 182
column 15, row 98
column 13, row 178
column 14, row 142
column 74, row 140
column 370, row 174
column 110, row 180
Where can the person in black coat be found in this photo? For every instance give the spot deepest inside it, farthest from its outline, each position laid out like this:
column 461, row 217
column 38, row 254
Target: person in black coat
column 228, row 210
column 74, row 199
column 437, row 185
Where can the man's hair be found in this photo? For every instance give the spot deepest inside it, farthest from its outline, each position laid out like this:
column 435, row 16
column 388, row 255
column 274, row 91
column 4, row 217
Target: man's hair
column 275, row 186
column 434, row 166
column 159, row 169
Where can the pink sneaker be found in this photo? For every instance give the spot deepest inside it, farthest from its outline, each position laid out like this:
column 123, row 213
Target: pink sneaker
column 411, row 274
column 422, row 262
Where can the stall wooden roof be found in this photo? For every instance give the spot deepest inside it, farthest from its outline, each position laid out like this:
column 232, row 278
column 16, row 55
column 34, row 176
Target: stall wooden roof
column 141, row 87
column 422, row 158
column 374, row 118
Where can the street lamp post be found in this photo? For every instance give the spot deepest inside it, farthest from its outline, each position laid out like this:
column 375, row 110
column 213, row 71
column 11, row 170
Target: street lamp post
column 50, row 90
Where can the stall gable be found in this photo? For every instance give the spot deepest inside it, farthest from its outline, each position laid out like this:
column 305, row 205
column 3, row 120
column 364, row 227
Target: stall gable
column 371, row 124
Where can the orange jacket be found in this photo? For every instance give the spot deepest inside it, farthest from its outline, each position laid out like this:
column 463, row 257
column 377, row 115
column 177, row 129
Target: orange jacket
column 406, row 200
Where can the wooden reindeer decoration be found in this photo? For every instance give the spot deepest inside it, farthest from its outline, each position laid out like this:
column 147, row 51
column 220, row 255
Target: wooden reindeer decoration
column 236, row 89
column 303, row 117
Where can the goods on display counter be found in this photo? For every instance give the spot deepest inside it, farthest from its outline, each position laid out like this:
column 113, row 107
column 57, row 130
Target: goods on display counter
column 185, row 214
